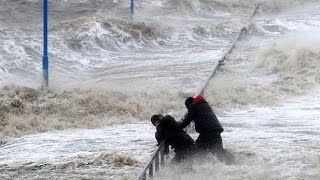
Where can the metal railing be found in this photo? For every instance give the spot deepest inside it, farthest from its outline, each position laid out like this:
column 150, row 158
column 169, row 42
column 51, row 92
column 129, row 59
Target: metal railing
column 153, row 165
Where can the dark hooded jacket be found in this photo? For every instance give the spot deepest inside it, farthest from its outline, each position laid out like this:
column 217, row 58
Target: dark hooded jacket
column 169, row 131
column 203, row 116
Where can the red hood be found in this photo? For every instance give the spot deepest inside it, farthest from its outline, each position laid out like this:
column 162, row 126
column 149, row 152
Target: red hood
column 198, row 99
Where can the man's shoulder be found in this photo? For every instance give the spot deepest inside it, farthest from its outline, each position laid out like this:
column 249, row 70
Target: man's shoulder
column 168, row 118
column 167, row 121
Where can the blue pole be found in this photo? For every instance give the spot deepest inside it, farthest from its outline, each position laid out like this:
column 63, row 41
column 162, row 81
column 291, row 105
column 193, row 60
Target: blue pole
column 132, row 8
column 45, row 61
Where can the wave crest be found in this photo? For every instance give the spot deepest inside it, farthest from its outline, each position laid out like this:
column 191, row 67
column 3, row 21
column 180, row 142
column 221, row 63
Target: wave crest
column 27, row 110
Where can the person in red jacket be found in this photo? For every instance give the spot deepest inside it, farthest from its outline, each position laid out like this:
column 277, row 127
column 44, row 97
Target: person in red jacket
column 208, row 126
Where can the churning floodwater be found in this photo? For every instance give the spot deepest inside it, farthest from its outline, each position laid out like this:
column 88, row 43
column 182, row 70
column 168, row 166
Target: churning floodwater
column 109, row 73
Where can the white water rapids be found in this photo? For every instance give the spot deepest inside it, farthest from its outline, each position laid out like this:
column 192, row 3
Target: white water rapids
column 109, row 74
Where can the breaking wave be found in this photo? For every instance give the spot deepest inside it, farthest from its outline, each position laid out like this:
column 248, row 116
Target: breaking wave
column 211, row 7
column 99, row 166
column 296, row 56
column 108, row 34
column 100, row 28
column 25, row 110
column 289, row 66
column 283, row 69
column 103, row 159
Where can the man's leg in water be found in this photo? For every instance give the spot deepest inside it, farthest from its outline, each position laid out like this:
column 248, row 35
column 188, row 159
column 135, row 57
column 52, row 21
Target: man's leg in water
column 202, row 146
column 184, row 159
column 177, row 158
column 223, row 155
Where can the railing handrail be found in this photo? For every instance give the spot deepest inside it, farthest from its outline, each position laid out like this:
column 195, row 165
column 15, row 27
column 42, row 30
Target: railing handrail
column 222, row 58
column 155, row 154
column 200, row 92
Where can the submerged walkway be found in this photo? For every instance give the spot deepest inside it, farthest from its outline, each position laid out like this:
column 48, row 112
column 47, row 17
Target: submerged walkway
column 268, row 142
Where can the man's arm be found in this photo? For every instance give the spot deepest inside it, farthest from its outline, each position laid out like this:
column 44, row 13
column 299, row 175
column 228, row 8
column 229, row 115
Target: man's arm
column 159, row 136
column 188, row 117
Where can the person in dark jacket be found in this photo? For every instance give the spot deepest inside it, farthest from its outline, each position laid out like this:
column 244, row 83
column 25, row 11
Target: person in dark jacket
column 168, row 131
column 207, row 125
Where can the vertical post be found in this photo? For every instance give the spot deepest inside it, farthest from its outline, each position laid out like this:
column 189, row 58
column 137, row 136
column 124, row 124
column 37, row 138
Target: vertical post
column 132, row 8
column 162, row 157
column 151, row 170
column 144, row 176
column 157, row 163
column 45, row 61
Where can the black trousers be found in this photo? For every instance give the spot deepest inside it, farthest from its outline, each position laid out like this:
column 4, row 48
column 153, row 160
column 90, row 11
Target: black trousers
column 183, row 154
column 212, row 142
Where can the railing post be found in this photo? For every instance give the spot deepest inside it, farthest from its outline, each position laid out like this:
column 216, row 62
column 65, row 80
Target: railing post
column 157, row 163
column 162, row 157
column 45, row 59
column 144, row 177
column 132, row 8
column 151, row 170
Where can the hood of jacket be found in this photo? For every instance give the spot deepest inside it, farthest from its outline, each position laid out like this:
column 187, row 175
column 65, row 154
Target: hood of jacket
column 198, row 99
